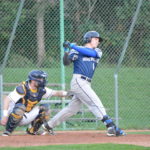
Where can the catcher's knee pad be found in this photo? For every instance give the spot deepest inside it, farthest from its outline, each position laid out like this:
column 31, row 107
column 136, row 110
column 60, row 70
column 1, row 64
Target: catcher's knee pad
column 15, row 117
column 108, row 121
column 39, row 120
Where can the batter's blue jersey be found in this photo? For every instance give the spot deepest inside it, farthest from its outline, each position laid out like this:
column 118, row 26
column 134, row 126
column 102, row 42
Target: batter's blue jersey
column 83, row 64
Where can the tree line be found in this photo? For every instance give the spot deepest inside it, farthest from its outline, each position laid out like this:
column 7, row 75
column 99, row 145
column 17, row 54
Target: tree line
column 37, row 39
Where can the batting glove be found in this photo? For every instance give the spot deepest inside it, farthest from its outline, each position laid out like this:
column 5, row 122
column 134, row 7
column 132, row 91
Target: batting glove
column 67, row 44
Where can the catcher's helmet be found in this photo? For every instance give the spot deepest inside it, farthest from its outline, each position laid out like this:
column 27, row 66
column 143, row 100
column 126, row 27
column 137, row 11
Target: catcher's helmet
column 91, row 34
column 37, row 75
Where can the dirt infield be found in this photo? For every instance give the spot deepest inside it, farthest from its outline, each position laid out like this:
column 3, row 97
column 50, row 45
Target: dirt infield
column 73, row 137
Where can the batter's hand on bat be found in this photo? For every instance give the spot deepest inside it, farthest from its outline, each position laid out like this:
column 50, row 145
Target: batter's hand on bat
column 66, row 44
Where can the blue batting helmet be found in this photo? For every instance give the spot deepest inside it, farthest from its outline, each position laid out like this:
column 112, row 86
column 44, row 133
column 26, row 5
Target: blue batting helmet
column 91, row 34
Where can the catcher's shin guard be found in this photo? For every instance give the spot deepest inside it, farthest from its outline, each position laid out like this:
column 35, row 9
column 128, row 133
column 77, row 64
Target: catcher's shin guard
column 15, row 117
column 39, row 120
column 35, row 125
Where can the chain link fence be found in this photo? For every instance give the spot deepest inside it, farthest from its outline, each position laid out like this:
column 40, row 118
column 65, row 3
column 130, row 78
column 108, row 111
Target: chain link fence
column 36, row 45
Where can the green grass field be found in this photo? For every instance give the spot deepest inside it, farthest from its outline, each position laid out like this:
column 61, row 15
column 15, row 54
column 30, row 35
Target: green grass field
column 134, row 94
column 82, row 147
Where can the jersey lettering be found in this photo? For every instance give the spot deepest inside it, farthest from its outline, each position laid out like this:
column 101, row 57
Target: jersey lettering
column 90, row 59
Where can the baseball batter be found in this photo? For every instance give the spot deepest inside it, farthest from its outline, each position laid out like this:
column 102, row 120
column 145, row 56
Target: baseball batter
column 20, row 105
column 85, row 59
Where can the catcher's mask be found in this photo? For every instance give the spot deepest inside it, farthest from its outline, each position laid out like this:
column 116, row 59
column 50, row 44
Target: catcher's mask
column 91, row 34
column 39, row 76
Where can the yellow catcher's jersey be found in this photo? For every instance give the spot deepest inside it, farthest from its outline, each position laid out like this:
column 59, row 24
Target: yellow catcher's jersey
column 23, row 94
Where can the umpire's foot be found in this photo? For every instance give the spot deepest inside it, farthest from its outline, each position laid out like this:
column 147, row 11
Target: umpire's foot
column 114, row 131
column 6, row 133
column 47, row 129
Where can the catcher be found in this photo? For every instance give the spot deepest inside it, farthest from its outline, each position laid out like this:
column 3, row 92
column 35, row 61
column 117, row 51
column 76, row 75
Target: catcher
column 20, row 105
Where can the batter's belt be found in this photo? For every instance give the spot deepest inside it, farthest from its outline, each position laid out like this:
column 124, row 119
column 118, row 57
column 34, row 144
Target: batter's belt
column 83, row 77
column 86, row 78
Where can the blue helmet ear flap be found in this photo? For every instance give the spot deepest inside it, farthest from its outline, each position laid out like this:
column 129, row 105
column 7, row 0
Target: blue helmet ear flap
column 86, row 40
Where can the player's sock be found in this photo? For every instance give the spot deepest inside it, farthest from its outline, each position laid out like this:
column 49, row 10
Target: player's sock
column 108, row 121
